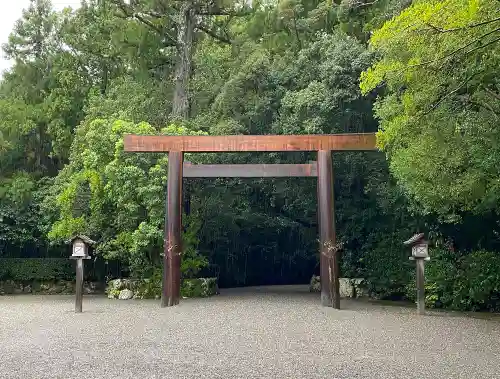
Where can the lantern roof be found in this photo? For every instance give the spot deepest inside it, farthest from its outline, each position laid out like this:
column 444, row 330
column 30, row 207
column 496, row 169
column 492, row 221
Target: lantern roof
column 415, row 239
column 82, row 237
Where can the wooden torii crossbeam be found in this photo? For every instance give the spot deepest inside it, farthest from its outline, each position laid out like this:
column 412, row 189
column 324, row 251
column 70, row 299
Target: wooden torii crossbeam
column 248, row 170
column 324, row 144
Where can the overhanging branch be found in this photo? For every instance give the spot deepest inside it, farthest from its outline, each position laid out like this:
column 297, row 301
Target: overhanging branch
column 470, row 26
column 213, row 34
column 447, row 95
column 219, row 11
column 458, row 50
column 129, row 12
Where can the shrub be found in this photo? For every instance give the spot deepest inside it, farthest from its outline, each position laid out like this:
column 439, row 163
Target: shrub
column 468, row 282
column 199, row 287
column 151, row 288
column 440, row 274
column 478, row 286
column 192, row 261
column 387, row 272
column 29, row 269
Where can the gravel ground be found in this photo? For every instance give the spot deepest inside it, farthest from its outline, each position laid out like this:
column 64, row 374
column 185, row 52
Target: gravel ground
column 265, row 333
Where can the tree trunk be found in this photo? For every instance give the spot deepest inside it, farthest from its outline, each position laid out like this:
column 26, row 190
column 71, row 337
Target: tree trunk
column 185, row 42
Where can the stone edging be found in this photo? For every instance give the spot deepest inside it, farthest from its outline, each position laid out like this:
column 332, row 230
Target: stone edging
column 349, row 288
column 126, row 289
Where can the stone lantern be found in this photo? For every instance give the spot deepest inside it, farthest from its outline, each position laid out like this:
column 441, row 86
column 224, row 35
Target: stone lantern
column 80, row 247
column 419, row 254
column 80, row 250
column 419, row 247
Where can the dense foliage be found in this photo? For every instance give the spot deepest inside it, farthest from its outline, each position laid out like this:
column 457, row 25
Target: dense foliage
column 440, row 113
column 83, row 77
column 31, row 269
column 461, row 281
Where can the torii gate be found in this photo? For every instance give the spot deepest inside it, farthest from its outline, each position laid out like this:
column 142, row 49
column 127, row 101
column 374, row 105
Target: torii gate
column 323, row 144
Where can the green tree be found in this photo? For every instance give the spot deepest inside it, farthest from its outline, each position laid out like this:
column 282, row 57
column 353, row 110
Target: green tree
column 40, row 102
column 117, row 198
column 177, row 24
column 439, row 103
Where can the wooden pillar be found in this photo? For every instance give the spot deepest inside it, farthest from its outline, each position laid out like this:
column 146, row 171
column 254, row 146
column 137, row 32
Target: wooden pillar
column 420, row 286
column 329, row 271
column 79, row 286
column 173, row 239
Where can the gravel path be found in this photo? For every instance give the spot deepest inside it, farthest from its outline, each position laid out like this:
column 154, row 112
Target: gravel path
column 240, row 334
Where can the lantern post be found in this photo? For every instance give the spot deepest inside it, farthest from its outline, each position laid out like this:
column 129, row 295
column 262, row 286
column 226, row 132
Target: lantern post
column 419, row 254
column 80, row 251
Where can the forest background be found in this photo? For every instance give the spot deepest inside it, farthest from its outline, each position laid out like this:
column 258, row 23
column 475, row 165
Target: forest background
column 422, row 74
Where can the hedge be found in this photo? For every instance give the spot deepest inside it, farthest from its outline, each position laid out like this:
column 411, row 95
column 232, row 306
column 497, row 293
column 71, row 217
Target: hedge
column 29, row 269
column 461, row 281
